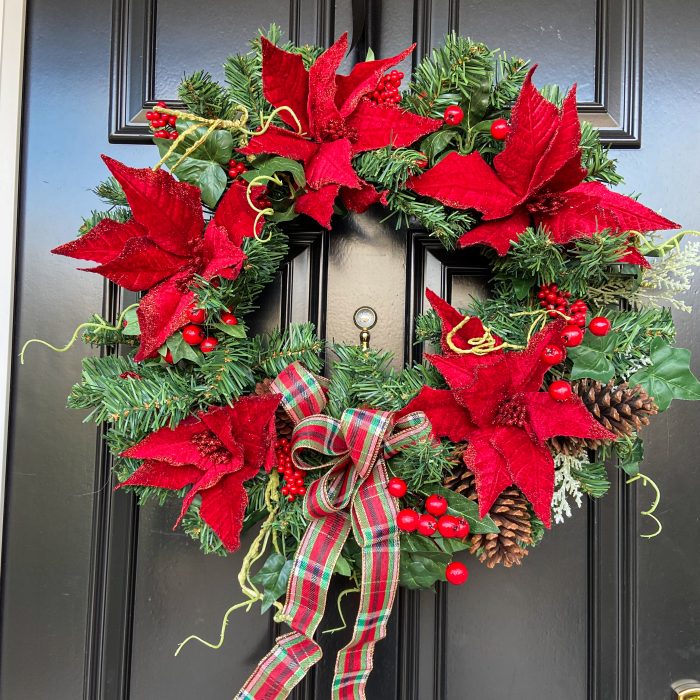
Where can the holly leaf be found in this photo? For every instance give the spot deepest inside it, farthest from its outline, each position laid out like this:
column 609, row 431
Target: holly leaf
column 461, row 507
column 131, row 323
column 236, row 331
column 451, row 545
column 522, row 286
column 422, row 562
column 273, row 578
column 593, row 358
column 669, row 376
column 204, row 167
column 180, row 350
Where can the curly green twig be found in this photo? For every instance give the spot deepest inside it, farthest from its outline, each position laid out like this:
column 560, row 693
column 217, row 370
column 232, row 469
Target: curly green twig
column 647, row 481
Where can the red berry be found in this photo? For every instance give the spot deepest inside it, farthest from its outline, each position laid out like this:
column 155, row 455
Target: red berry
column 150, row 116
column 173, row 135
column 462, row 528
column 301, row 490
column 196, row 315
column 172, row 120
column 599, row 325
column 560, row 390
column 229, row 319
column 448, row 525
column 453, row 115
column 436, row 505
column 456, row 573
column 499, row 129
column 552, row 355
column 427, row 525
column 168, row 357
column 397, row 487
column 572, row 336
column 285, row 490
column 208, row 344
column 423, row 162
column 192, row 335
column 160, row 104
column 407, row 520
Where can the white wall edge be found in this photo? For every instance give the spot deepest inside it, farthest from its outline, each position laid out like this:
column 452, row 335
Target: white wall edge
column 12, row 25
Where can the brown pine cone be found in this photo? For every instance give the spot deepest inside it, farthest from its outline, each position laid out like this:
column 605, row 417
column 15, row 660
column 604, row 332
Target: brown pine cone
column 283, row 423
column 511, row 515
column 622, row 409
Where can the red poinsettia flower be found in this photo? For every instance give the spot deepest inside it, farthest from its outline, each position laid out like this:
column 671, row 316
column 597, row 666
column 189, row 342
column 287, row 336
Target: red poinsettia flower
column 164, row 246
column 537, row 180
column 494, row 402
column 337, row 123
column 215, row 452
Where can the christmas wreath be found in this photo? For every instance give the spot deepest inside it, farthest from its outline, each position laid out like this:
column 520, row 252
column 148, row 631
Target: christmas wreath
column 525, row 403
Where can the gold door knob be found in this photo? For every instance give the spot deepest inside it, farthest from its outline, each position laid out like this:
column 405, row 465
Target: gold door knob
column 687, row 689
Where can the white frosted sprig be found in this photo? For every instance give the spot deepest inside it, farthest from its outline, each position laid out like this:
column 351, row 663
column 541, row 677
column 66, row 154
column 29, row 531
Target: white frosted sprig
column 565, row 486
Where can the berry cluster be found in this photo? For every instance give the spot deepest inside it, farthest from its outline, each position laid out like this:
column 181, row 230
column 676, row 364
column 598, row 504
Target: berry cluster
column 435, row 521
column 558, row 301
column 158, row 122
column 194, row 333
column 235, row 168
column 293, row 477
column 387, row 92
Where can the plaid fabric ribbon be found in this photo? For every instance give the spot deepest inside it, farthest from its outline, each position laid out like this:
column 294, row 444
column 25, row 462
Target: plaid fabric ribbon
column 351, row 494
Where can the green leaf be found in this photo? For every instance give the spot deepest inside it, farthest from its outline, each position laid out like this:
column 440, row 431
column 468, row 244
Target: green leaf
column 273, row 578
column 132, row 323
column 204, row 167
column 271, row 166
column 437, row 142
column 669, row 376
column 522, row 287
column 451, row 544
column 342, row 566
column 630, row 454
column 180, row 350
column 236, row 331
column 422, row 562
column 593, row 358
column 462, row 507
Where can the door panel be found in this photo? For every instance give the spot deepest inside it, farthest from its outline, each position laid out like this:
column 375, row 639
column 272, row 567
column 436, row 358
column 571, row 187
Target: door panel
column 97, row 594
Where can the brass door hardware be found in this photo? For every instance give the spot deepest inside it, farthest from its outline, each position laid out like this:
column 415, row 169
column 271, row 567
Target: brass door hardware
column 687, row 689
column 365, row 318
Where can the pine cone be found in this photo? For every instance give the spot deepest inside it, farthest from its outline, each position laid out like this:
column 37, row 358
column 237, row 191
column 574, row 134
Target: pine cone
column 621, row 409
column 283, row 423
column 511, row 515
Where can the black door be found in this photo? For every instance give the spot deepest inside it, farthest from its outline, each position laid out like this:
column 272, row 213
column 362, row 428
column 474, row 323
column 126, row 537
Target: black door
column 97, row 595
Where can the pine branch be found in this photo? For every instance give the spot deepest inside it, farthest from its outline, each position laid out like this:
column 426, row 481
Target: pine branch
column 510, row 75
column 120, row 214
column 273, row 351
column 203, row 96
column 111, row 192
column 424, row 464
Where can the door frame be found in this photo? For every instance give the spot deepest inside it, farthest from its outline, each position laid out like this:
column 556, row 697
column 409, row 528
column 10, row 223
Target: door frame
column 12, row 32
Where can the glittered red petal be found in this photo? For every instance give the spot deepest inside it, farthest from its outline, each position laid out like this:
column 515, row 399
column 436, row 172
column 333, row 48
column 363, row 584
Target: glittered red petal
column 235, row 214
column 332, row 164
column 447, row 417
column 170, row 211
column 359, row 200
column 322, row 109
column 173, row 446
column 549, row 418
column 281, row 142
column 221, row 256
column 161, row 312
column 363, row 79
column 162, row 475
column 223, row 509
column 103, row 242
column 466, row 182
column 533, row 124
column 498, row 234
column 318, row 204
column 633, row 257
column 285, row 83
column 378, row 126
column 140, row 265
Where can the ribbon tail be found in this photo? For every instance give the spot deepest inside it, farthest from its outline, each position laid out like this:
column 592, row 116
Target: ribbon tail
column 307, row 591
column 374, row 523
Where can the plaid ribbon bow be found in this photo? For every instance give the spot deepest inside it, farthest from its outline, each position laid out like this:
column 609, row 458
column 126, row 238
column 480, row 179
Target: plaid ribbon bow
column 350, row 494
